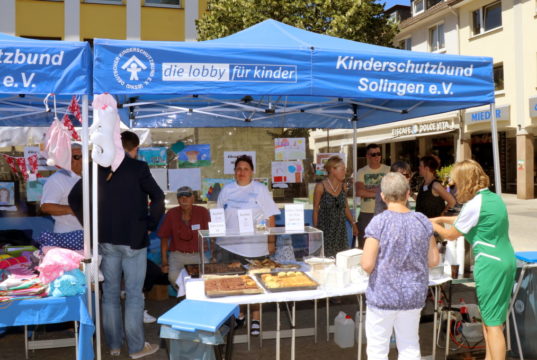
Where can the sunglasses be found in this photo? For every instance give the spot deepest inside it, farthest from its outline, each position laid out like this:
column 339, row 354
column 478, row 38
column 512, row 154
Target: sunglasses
column 77, row 157
column 375, row 154
column 187, row 194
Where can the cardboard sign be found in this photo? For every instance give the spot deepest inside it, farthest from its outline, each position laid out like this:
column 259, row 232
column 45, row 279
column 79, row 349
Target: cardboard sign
column 294, row 217
column 218, row 215
column 246, row 221
column 217, row 228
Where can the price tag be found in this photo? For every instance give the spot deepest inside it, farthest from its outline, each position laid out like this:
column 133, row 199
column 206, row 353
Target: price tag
column 294, row 217
column 217, row 228
column 246, row 221
column 218, row 215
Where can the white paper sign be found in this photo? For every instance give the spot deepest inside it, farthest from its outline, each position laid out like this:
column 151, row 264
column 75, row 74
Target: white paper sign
column 231, row 156
column 161, row 177
column 184, row 177
column 217, row 228
column 294, row 217
column 218, row 216
column 246, row 221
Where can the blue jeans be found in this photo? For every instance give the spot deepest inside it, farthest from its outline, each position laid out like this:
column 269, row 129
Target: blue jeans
column 118, row 260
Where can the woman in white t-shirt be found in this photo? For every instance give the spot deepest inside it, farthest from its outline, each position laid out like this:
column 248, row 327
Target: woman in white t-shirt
column 245, row 193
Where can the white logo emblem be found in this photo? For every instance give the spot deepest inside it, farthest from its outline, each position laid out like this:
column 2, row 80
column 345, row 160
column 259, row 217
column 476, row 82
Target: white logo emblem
column 137, row 71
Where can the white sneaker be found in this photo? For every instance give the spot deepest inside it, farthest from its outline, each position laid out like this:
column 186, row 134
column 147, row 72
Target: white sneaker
column 148, row 349
column 148, row 319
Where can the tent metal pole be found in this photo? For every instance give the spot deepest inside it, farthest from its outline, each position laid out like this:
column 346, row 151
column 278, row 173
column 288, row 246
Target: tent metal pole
column 85, row 196
column 495, row 149
column 354, row 162
column 95, row 228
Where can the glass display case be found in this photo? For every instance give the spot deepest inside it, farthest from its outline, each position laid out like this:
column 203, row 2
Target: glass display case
column 234, row 253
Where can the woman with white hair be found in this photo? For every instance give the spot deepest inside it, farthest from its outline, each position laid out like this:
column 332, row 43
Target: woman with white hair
column 398, row 251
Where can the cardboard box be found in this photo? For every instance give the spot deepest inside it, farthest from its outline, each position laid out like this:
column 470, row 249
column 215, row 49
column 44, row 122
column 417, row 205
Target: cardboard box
column 348, row 258
column 158, row 293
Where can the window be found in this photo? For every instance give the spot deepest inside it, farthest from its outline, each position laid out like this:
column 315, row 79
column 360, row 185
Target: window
column 418, row 6
column 174, row 3
column 498, row 77
column 487, row 18
column 431, row 3
column 405, row 44
column 436, row 38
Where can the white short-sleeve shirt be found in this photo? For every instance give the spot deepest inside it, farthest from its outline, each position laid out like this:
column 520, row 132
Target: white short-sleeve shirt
column 469, row 215
column 253, row 196
column 56, row 191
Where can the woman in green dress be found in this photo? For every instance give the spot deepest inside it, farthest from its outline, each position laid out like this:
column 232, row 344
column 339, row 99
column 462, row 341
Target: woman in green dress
column 484, row 223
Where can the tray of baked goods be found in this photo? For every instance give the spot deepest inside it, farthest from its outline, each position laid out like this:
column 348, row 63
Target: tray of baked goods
column 227, row 285
column 268, row 265
column 215, row 268
column 278, row 281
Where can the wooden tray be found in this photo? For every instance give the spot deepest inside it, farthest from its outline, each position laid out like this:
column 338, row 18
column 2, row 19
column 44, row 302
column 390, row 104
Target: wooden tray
column 230, row 285
column 217, row 269
column 314, row 285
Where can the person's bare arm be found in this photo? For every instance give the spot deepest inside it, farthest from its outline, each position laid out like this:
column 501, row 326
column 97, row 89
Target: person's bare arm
column 370, row 254
column 317, row 193
column 449, row 234
column 363, row 192
column 56, row 209
column 271, row 238
column 447, row 197
column 165, row 267
column 350, row 219
column 433, row 254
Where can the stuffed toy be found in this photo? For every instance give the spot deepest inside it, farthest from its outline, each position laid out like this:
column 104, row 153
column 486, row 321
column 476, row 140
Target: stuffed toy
column 71, row 283
column 105, row 135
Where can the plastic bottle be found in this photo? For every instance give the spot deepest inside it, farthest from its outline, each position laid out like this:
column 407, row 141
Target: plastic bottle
column 344, row 331
column 464, row 311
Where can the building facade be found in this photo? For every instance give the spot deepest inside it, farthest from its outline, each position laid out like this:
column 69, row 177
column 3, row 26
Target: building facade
column 84, row 20
column 504, row 30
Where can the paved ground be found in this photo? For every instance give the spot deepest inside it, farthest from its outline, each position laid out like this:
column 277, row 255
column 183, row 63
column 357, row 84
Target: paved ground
column 522, row 215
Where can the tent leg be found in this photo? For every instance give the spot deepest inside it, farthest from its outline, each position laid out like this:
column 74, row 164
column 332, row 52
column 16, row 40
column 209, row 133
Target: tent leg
column 495, row 149
column 354, row 165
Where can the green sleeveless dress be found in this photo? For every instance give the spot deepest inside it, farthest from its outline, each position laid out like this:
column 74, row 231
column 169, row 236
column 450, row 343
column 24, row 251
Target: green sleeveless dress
column 485, row 225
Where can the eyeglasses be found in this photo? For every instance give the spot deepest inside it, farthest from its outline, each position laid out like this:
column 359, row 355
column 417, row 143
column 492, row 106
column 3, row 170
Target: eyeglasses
column 187, row 194
column 375, row 154
column 77, row 157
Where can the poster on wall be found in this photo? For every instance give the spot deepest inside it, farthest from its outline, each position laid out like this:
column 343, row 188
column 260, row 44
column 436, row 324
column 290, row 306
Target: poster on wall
column 195, row 156
column 231, row 156
column 290, row 148
column 184, row 177
column 34, row 189
column 41, row 160
column 7, row 193
column 210, row 188
column 321, row 160
column 287, row 171
column 161, row 177
column 264, row 181
column 153, row 156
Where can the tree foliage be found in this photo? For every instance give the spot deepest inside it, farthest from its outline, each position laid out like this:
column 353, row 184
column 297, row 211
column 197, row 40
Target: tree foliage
column 357, row 20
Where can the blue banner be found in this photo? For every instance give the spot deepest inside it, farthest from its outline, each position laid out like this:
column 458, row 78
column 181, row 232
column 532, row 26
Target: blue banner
column 42, row 67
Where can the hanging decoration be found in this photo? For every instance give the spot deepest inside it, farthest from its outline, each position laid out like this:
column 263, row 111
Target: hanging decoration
column 18, row 164
column 74, row 109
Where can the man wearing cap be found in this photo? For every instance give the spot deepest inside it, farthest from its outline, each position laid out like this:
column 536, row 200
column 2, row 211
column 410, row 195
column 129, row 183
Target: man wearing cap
column 179, row 234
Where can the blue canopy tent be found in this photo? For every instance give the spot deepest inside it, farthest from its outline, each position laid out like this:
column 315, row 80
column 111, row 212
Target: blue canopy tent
column 31, row 69
column 275, row 75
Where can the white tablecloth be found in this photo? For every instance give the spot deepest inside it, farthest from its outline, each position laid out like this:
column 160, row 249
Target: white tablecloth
column 195, row 291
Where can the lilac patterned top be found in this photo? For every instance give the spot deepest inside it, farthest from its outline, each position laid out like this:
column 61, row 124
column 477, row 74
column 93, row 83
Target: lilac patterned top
column 400, row 278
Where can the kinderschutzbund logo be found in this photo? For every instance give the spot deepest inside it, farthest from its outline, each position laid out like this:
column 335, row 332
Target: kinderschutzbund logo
column 134, row 68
